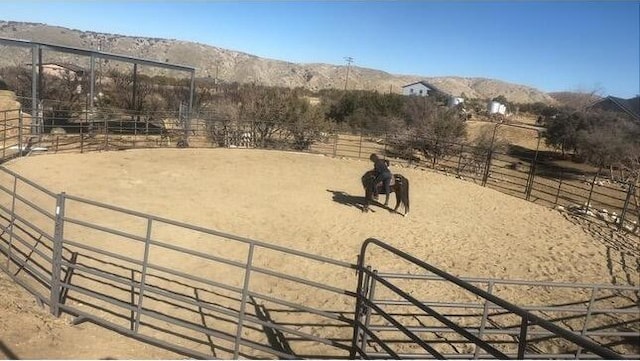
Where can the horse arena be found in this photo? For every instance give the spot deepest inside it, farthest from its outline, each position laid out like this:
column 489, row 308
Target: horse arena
column 309, row 203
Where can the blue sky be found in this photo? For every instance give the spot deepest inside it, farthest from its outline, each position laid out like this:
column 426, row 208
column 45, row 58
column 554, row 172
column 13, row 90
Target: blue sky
column 552, row 46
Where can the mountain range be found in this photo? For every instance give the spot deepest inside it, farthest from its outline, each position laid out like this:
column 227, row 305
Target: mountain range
column 233, row 66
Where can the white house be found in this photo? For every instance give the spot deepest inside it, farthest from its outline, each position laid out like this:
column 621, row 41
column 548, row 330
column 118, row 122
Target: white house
column 453, row 101
column 496, row 108
column 420, row 88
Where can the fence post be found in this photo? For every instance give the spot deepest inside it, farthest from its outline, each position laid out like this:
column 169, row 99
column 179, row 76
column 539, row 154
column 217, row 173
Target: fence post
column 483, row 322
column 243, row 302
column 358, row 308
column 363, row 311
column 630, row 191
column 20, row 123
column 367, row 320
column 583, row 333
column 522, row 341
column 143, row 276
column 335, row 145
column 532, row 171
column 4, row 136
column 527, row 188
column 485, row 177
column 360, row 145
column 460, row 159
column 593, row 183
column 106, row 134
column 86, row 121
column 559, row 186
column 13, row 218
column 56, row 258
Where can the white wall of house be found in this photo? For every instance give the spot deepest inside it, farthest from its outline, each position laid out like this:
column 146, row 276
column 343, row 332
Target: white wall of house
column 453, row 101
column 417, row 89
column 496, row 108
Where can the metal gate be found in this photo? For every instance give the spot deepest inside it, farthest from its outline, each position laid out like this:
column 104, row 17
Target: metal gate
column 416, row 310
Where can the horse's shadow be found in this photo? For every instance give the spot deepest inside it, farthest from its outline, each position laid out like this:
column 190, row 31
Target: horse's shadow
column 347, row 199
column 352, row 201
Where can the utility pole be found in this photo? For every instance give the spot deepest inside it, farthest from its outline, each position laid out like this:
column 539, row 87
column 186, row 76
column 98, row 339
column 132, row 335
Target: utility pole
column 349, row 60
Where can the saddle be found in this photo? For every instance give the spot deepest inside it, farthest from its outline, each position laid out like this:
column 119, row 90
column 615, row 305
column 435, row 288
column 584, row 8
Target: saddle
column 380, row 185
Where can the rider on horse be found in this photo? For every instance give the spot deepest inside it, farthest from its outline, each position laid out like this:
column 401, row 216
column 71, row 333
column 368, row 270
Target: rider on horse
column 383, row 174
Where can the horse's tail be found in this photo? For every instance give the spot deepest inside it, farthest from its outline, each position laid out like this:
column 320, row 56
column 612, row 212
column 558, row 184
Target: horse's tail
column 405, row 194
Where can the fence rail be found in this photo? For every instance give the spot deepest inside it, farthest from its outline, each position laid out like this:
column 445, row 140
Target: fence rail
column 132, row 272
column 523, row 174
column 502, row 330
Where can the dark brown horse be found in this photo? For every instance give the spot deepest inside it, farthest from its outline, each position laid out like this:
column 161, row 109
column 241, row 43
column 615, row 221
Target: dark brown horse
column 399, row 186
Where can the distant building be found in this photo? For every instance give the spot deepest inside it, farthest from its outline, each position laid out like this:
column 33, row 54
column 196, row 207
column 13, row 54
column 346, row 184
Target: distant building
column 453, row 101
column 630, row 107
column 420, row 88
column 495, row 107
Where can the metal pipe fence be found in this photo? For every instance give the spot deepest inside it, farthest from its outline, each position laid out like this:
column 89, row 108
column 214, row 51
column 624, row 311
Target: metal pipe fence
column 144, row 289
column 129, row 273
column 391, row 309
column 133, row 272
column 527, row 175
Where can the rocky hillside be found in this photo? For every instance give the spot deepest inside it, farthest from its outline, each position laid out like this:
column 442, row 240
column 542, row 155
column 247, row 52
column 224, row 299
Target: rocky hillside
column 575, row 100
column 232, row 66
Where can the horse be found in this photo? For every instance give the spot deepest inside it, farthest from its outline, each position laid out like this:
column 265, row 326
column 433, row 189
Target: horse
column 399, row 186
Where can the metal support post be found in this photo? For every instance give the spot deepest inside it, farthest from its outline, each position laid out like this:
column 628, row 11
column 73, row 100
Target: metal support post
column 483, row 322
column 460, row 159
column 243, row 303
column 360, row 145
column 522, row 341
column 145, row 262
column 367, row 320
column 56, row 258
column 92, row 80
column 34, row 85
column 13, row 218
column 585, row 327
column 4, row 136
column 555, row 203
column 593, row 183
column 630, row 191
column 356, row 322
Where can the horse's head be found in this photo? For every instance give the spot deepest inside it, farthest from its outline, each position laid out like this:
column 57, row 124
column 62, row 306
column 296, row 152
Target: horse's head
column 368, row 178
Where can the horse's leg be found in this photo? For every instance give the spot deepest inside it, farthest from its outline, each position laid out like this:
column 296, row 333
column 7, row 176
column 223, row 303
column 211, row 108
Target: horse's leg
column 367, row 195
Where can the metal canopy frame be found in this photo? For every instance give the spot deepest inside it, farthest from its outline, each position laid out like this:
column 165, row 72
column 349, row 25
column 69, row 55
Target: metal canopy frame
column 36, row 55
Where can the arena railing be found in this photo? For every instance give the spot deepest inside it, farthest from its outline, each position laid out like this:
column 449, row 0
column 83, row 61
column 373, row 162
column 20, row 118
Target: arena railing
column 27, row 213
column 388, row 330
column 95, row 282
column 144, row 291
column 12, row 133
column 82, row 270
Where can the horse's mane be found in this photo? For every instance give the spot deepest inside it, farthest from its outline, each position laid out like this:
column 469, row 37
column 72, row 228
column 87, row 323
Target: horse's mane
column 368, row 177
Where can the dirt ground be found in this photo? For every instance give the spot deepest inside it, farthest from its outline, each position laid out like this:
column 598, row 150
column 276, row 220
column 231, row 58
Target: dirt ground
column 297, row 201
